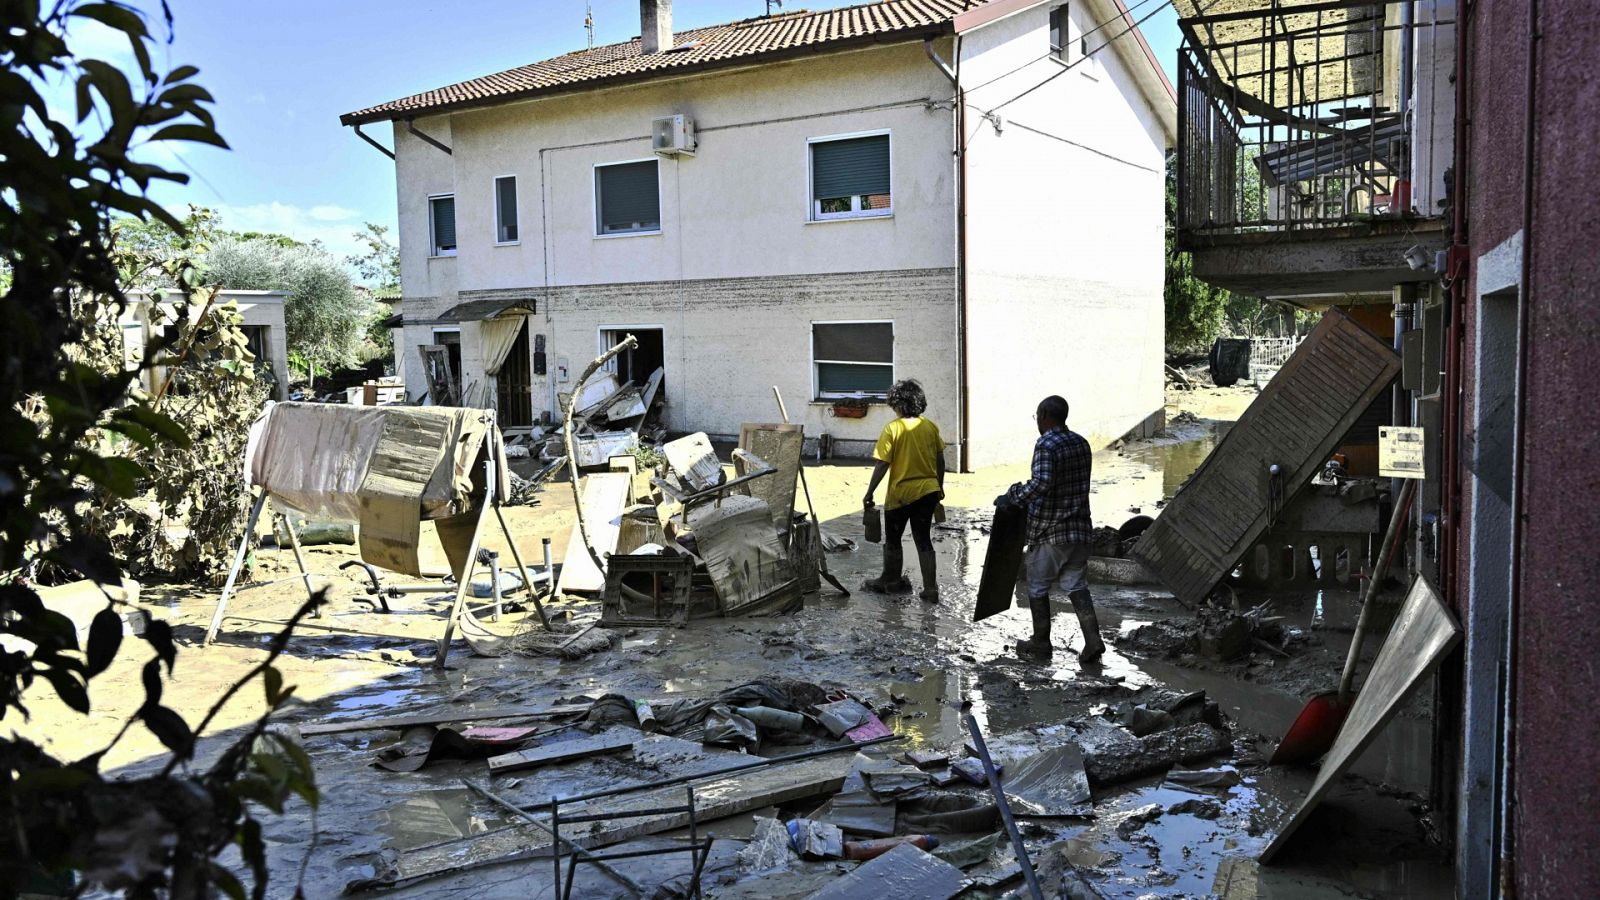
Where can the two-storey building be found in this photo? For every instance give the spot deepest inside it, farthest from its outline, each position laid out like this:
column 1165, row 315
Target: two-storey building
column 965, row 193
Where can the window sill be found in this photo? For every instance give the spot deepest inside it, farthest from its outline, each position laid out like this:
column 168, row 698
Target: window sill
column 450, row 255
column 507, row 243
column 851, row 218
column 627, row 234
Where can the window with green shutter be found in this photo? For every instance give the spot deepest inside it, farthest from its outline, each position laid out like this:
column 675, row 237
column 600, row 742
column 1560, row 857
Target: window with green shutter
column 505, row 209
column 850, row 177
column 442, row 224
column 852, row 359
column 627, row 198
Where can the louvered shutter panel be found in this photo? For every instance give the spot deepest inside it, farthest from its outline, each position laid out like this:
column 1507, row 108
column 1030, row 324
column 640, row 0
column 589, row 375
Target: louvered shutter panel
column 850, row 168
column 629, row 195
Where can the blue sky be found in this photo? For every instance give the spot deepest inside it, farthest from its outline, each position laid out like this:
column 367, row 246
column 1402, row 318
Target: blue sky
column 283, row 71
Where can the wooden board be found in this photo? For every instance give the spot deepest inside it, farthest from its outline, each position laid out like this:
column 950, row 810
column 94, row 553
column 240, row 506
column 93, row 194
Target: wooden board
column 905, row 871
column 695, row 462
column 780, row 445
column 1422, row 634
column 441, row 717
column 605, row 496
column 1001, row 562
column 411, row 447
column 744, row 555
column 562, row 751
column 1295, row 423
column 716, row 797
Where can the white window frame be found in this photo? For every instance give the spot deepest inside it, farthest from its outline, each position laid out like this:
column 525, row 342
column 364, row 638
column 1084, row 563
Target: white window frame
column 433, row 244
column 494, row 193
column 814, row 206
column 594, row 199
column 600, row 341
column 817, row 393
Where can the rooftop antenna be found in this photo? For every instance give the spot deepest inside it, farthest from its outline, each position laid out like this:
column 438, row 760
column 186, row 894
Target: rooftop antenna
column 588, row 23
column 773, row 3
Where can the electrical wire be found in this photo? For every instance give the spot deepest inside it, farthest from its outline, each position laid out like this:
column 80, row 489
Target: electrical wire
column 1054, row 51
column 1085, row 58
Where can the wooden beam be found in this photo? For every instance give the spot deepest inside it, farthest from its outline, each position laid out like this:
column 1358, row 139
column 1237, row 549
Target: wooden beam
column 561, row 751
column 441, row 717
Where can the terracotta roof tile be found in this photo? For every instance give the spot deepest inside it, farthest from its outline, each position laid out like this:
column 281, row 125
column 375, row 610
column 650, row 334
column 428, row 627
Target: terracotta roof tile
column 698, row 48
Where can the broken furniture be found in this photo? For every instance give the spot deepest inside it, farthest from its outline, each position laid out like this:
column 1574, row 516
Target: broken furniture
column 1268, row 456
column 387, row 469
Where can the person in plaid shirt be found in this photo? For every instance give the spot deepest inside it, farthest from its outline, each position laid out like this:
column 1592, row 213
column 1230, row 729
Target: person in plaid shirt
column 1056, row 498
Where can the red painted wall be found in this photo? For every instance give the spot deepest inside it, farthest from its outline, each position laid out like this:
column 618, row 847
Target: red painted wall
column 1556, row 812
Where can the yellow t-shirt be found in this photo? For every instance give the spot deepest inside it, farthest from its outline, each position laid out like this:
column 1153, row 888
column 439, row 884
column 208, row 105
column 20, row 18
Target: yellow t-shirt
column 911, row 447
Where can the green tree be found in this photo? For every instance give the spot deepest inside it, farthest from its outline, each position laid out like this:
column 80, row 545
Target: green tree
column 325, row 318
column 378, row 264
column 64, row 424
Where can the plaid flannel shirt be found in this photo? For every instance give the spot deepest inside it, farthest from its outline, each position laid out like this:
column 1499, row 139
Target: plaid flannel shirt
column 1057, row 496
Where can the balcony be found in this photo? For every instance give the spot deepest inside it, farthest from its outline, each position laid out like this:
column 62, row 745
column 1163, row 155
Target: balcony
column 1300, row 140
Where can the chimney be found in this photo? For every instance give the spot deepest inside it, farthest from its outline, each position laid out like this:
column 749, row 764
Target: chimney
column 655, row 25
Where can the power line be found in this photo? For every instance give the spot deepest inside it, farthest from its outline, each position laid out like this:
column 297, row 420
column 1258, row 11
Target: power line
column 1052, row 52
column 1085, row 58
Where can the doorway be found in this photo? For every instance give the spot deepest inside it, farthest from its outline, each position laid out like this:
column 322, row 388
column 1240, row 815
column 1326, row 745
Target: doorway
column 637, row 365
column 514, row 384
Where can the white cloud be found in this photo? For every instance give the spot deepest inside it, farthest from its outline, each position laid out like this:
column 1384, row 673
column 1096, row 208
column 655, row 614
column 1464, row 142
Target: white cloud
column 330, row 213
column 335, row 226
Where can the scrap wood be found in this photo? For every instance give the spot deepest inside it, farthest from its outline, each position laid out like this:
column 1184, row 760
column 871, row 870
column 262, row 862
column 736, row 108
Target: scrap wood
column 612, row 741
column 718, row 796
column 595, row 533
column 443, row 717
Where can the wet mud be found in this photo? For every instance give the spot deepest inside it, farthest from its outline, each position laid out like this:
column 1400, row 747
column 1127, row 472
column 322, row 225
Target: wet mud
column 921, row 665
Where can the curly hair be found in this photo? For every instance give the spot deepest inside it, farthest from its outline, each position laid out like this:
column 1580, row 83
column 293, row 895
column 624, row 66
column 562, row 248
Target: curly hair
column 906, row 398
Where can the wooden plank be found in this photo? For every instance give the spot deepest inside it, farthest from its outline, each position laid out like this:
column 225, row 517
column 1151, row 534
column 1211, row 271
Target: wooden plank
column 562, row 751
column 441, row 717
column 716, row 797
column 1422, row 634
column 1298, row 419
column 695, row 462
column 605, row 496
column 780, row 445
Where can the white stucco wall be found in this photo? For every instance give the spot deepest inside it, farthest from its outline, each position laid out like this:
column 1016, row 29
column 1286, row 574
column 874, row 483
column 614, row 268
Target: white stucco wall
column 1065, row 238
column 735, row 223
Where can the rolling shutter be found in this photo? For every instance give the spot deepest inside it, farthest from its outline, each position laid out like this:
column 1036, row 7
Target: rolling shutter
column 630, row 198
column 444, row 223
column 853, row 167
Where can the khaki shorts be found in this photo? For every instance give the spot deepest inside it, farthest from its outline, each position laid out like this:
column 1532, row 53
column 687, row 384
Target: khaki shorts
column 1047, row 566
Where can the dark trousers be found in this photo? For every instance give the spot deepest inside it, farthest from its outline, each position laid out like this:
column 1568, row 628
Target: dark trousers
column 919, row 514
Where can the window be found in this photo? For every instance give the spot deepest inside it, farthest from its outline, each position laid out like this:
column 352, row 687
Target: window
column 850, row 177
column 852, row 358
column 255, row 339
column 627, row 198
column 442, row 224
column 1068, row 42
column 505, row 209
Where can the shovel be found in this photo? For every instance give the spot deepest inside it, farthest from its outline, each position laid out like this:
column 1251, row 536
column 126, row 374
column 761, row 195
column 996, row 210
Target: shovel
column 1315, row 729
column 822, row 559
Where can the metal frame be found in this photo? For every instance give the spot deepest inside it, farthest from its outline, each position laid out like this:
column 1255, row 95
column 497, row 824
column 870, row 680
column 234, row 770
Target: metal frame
column 699, row 851
column 490, row 503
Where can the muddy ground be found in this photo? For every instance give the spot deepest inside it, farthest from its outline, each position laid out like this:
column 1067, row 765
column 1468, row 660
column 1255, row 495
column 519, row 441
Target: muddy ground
column 923, row 661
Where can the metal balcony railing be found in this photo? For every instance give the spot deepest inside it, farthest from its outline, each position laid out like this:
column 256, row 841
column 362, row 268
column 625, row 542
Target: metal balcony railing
column 1292, row 115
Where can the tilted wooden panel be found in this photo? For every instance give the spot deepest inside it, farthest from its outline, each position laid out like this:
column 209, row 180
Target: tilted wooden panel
column 1298, row 420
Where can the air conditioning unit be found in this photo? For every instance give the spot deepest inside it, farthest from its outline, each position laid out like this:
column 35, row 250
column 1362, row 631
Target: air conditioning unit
column 672, row 136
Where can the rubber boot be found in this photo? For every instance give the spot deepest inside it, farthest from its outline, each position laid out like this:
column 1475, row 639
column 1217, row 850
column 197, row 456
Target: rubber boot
column 929, row 561
column 1093, row 645
column 1038, row 646
column 893, row 579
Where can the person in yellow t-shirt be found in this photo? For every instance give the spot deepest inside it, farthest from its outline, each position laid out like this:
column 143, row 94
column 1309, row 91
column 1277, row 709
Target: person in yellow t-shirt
column 911, row 452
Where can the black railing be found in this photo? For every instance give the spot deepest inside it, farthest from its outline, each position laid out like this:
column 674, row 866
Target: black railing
column 1292, row 120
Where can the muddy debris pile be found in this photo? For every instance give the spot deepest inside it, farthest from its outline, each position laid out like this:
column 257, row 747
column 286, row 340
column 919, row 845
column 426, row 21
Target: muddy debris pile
column 780, row 788
column 1220, row 635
